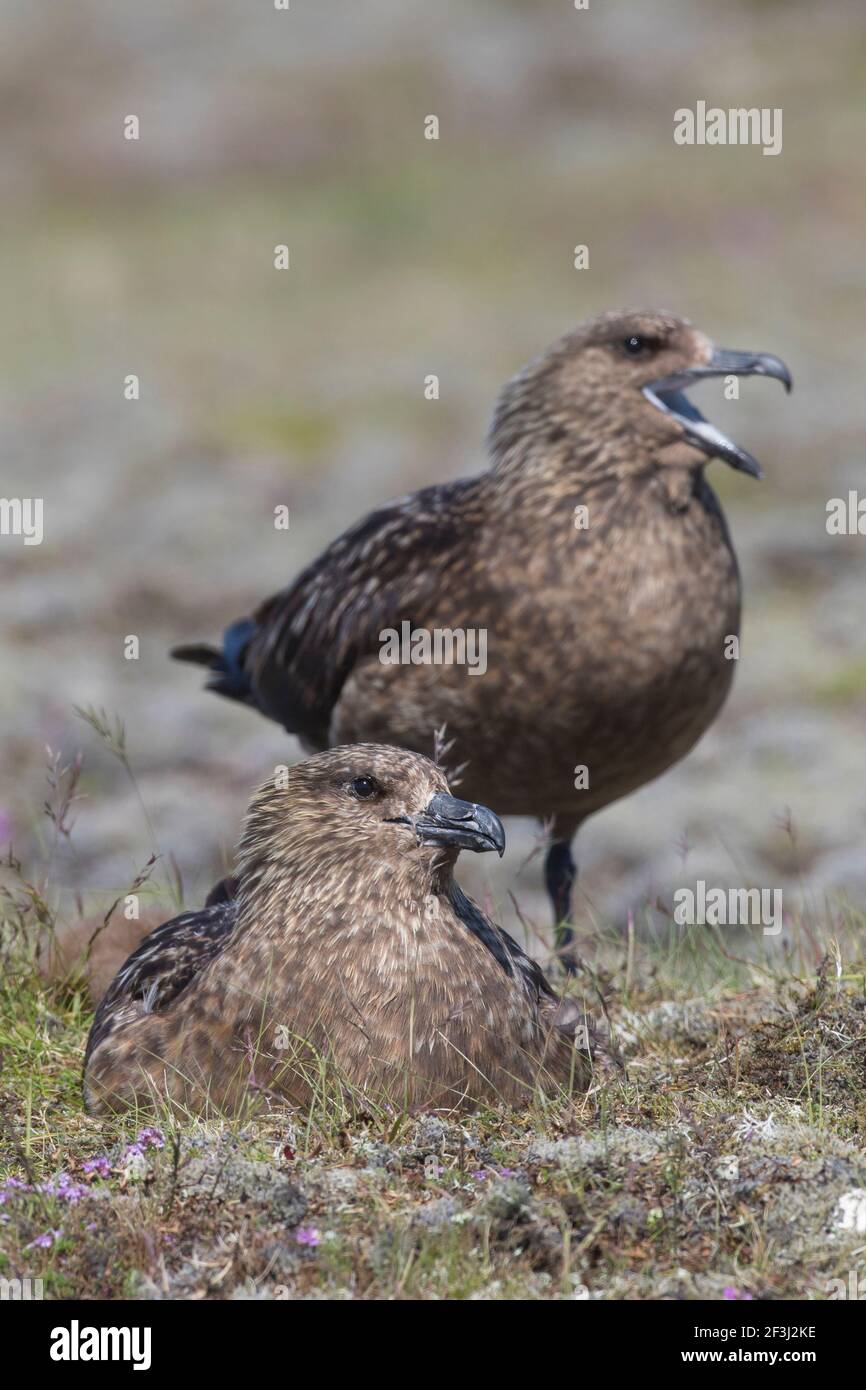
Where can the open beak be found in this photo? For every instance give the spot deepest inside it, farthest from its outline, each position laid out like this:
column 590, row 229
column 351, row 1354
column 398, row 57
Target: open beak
column 461, row 824
column 668, row 395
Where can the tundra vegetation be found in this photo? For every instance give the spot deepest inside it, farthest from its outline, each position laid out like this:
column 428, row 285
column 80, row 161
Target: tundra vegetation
column 724, row 1159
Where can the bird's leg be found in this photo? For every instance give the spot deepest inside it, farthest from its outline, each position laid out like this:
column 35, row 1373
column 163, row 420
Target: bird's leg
column 560, row 872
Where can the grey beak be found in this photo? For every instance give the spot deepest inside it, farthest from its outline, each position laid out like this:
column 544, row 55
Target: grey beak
column 667, row 395
column 730, row 362
column 463, row 824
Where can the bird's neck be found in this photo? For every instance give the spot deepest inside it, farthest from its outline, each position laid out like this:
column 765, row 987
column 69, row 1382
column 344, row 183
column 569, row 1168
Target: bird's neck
column 602, row 476
column 574, row 463
column 288, row 893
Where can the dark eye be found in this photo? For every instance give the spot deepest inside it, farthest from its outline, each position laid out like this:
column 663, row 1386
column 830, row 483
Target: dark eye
column 635, row 345
column 365, row 787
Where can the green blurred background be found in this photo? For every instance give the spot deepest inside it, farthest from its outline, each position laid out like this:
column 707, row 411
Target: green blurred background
column 410, row 257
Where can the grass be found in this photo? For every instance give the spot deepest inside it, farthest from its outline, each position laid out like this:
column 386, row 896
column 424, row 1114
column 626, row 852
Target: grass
column 711, row 1165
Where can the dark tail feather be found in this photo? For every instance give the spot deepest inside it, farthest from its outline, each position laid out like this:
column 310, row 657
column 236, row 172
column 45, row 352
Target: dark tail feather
column 222, row 892
column 201, row 655
column 229, row 677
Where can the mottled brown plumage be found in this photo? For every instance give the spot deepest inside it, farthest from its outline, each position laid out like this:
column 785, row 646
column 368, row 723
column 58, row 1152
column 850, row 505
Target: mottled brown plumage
column 348, row 953
column 607, row 629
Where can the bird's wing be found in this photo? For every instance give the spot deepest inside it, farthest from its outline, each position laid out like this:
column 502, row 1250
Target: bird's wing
column 504, row 948
column 385, row 569
column 164, row 964
column 292, row 658
column 564, row 1017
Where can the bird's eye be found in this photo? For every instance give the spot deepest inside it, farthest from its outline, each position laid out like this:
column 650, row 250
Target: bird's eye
column 639, row 345
column 364, row 788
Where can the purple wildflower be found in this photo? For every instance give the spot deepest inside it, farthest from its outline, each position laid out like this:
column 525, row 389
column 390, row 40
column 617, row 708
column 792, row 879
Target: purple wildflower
column 12, row 1185
column 44, row 1241
column 69, row 1191
column 151, row 1138
column 307, row 1235
column 100, row 1166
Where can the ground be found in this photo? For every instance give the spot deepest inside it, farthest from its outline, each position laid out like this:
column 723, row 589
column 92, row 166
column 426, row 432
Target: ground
column 718, row 1153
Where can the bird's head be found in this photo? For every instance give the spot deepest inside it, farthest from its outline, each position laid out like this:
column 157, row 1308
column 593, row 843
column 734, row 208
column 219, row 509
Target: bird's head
column 611, row 394
column 363, row 812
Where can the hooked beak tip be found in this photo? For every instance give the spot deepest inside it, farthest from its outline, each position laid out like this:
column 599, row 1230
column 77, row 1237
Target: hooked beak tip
column 668, row 395
column 448, row 821
column 767, row 364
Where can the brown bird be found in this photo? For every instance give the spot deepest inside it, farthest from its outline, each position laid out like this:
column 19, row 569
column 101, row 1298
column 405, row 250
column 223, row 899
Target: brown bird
column 592, row 555
column 347, row 949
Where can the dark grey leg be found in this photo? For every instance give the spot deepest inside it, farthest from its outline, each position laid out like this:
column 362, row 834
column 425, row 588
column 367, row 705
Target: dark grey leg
column 560, row 872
